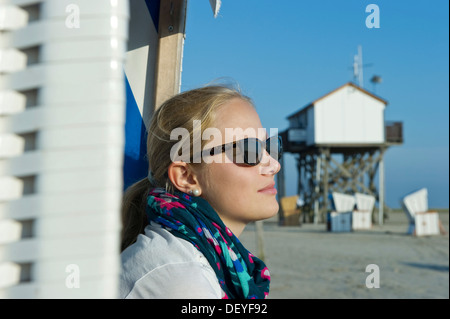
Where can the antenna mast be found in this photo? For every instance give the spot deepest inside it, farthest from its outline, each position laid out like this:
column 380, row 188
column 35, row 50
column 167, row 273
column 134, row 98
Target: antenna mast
column 358, row 67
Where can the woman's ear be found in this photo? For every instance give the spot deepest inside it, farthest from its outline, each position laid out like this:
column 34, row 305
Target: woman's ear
column 182, row 177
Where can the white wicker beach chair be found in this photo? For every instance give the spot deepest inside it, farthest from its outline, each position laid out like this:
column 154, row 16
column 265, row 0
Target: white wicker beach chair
column 362, row 215
column 340, row 218
column 422, row 222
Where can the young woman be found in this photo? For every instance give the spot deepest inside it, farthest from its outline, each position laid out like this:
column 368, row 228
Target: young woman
column 181, row 224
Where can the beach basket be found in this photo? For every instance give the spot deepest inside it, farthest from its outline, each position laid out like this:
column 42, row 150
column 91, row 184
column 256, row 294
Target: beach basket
column 340, row 217
column 422, row 222
column 291, row 212
column 362, row 215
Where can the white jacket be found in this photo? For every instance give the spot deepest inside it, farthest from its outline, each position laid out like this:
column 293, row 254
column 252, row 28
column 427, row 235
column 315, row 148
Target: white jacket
column 160, row 265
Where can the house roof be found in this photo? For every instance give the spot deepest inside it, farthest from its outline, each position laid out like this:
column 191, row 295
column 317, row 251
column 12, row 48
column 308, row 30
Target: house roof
column 329, row 93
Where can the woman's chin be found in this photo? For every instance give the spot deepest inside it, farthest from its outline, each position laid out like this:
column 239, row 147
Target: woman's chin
column 270, row 211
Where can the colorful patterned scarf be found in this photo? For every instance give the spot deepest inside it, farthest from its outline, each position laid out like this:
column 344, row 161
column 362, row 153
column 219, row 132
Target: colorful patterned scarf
column 241, row 275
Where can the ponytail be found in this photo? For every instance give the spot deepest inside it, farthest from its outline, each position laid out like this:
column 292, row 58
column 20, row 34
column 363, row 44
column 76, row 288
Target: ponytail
column 134, row 219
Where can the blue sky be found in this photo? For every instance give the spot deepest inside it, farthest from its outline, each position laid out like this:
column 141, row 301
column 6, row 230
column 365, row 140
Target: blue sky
column 285, row 54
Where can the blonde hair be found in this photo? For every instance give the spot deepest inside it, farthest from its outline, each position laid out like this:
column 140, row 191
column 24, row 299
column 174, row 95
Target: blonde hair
column 180, row 111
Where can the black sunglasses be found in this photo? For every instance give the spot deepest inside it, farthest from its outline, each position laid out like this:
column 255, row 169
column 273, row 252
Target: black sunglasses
column 250, row 150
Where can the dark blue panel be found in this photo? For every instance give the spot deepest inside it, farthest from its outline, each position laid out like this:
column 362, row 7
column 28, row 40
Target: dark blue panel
column 153, row 8
column 135, row 164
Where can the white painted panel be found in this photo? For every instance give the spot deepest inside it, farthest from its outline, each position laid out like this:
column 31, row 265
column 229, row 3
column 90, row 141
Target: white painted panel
column 89, row 201
column 73, row 73
column 60, row 117
column 353, row 105
column 70, row 158
column 11, row 102
column 104, row 287
column 58, row 8
column 22, row 291
column 34, row 250
column 57, row 270
column 11, row 145
column 349, row 116
column 27, row 121
column 374, row 121
column 78, row 50
column 44, row 31
column 9, row 275
column 10, row 231
column 27, row 164
column 79, row 136
column 10, row 188
column 12, row 60
column 80, row 224
column 329, row 122
column 21, row 208
column 83, row 95
column 79, row 180
column 82, row 246
column 23, row 251
column 12, row 17
column 108, row 112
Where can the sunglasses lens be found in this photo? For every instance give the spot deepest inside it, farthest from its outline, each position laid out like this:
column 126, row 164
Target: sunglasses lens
column 250, row 150
column 274, row 147
column 245, row 151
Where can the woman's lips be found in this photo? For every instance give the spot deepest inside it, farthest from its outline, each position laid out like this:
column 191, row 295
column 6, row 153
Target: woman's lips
column 269, row 189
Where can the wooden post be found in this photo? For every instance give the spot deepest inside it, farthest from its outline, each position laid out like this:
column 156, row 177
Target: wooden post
column 281, row 190
column 260, row 239
column 381, row 189
column 172, row 22
column 317, row 187
column 325, row 184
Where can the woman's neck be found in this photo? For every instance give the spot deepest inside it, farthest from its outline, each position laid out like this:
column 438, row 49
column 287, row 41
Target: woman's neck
column 236, row 227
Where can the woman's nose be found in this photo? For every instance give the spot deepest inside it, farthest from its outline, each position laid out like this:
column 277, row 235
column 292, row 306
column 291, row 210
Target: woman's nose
column 269, row 165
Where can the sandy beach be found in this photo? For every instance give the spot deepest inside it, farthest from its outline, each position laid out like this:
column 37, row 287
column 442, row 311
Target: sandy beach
column 308, row 262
